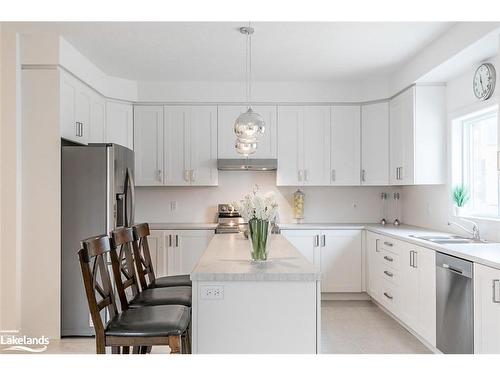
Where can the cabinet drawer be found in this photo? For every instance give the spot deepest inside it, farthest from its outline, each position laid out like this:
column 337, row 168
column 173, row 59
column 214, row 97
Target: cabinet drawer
column 388, row 244
column 389, row 296
column 390, row 275
column 389, row 259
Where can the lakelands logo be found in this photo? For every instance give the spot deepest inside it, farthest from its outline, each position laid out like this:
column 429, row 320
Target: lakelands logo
column 16, row 342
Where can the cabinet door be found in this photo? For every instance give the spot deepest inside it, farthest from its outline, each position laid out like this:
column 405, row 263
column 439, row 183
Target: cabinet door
column 345, row 145
column 486, row 310
column 119, row 124
column 97, row 133
column 306, row 242
column 187, row 247
column 148, row 145
column 158, row 250
column 375, row 144
column 425, row 262
column 316, row 138
column 408, row 136
column 203, row 146
column 396, row 140
column 227, row 115
column 176, row 146
column 82, row 111
column 409, row 286
column 373, row 265
column 290, row 146
column 341, row 261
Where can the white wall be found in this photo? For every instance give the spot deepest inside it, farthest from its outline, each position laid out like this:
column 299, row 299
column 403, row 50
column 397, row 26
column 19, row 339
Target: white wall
column 199, row 204
column 431, row 206
column 264, row 91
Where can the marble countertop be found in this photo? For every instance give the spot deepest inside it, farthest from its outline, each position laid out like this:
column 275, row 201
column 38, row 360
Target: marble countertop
column 182, row 226
column 487, row 253
column 227, row 258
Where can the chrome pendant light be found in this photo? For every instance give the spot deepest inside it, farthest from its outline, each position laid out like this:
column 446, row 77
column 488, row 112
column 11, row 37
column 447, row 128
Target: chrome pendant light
column 249, row 126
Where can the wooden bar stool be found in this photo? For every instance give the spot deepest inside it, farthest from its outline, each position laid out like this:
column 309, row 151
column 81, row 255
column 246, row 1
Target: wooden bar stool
column 144, row 266
column 122, row 240
column 142, row 327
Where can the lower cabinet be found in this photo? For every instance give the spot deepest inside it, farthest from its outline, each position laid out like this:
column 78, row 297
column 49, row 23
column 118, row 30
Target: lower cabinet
column 402, row 278
column 336, row 253
column 177, row 252
column 486, row 310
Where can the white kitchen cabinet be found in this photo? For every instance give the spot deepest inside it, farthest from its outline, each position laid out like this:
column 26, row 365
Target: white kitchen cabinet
column 340, row 261
column 417, row 136
column 75, row 109
column 345, row 145
column 303, row 146
column 148, row 145
column 97, row 133
column 185, row 248
column 375, row 144
column 373, row 265
column 190, row 146
column 486, row 310
column 119, row 123
column 226, row 117
column 158, row 251
column 306, row 242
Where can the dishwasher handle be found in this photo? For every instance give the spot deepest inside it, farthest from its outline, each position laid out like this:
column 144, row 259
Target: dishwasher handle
column 452, row 269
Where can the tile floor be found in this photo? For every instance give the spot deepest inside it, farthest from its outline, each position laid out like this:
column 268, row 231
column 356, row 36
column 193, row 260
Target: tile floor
column 348, row 327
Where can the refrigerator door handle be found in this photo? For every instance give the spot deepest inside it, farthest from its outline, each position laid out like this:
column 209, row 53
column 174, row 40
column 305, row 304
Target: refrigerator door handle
column 129, row 187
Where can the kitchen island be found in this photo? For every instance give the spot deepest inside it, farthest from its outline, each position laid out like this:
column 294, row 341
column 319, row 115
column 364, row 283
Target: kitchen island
column 244, row 307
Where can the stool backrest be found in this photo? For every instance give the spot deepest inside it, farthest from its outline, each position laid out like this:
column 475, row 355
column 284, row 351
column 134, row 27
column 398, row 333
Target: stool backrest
column 122, row 260
column 142, row 255
column 96, row 280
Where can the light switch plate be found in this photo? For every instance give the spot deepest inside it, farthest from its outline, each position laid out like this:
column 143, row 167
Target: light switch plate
column 212, row 292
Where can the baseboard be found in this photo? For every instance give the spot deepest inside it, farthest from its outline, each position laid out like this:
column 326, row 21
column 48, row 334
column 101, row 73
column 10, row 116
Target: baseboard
column 345, row 297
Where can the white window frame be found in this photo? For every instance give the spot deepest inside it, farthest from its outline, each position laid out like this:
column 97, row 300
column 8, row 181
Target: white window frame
column 459, row 154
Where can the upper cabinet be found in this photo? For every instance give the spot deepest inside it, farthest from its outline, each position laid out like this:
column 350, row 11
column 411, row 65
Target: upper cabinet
column 417, row 136
column 175, row 145
column 345, row 145
column 97, row 133
column 303, row 145
column 119, row 123
column 375, row 144
column 148, row 145
column 227, row 115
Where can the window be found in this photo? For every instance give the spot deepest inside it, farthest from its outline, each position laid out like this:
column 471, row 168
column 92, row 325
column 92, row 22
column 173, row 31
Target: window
column 475, row 147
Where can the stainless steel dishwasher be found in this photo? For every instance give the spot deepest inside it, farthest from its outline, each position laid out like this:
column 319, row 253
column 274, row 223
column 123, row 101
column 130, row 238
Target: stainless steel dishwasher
column 454, row 305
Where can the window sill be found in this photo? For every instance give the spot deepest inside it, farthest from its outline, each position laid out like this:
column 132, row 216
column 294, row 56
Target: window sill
column 481, row 218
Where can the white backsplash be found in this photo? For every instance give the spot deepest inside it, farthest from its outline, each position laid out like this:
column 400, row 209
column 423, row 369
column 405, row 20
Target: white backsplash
column 322, row 204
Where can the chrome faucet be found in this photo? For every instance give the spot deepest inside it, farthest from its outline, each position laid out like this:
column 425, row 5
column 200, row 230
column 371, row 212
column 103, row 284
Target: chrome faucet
column 475, row 228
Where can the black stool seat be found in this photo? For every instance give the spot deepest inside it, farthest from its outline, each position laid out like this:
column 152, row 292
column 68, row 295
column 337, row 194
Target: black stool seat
column 168, row 281
column 151, row 321
column 176, row 295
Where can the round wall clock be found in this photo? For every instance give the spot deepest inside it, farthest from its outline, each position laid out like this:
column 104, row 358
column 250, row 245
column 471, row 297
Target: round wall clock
column 484, row 81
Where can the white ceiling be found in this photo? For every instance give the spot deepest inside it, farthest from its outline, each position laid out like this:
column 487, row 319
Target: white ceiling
column 282, row 51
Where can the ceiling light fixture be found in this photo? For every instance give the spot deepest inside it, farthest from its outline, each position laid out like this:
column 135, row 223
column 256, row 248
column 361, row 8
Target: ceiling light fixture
column 249, row 126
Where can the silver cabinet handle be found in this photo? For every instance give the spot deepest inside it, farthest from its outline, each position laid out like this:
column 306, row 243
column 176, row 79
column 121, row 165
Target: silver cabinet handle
column 77, row 129
column 316, row 240
column 323, row 240
column 400, row 173
column 299, row 174
column 388, row 295
column 363, row 175
column 376, row 246
column 390, row 274
column 496, row 291
column 411, row 258
column 306, row 174
column 176, row 240
column 414, row 260
column 334, row 175
column 159, row 175
column 169, row 240
column 388, row 258
column 390, row 244
column 81, row 129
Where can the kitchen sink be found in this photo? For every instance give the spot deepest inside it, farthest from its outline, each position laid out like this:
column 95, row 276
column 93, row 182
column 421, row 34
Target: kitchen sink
column 447, row 240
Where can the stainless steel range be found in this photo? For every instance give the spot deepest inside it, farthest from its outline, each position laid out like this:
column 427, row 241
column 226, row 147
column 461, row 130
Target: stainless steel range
column 229, row 219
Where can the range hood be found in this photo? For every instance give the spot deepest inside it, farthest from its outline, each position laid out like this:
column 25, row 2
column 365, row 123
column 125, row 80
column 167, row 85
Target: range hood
column 247, row 164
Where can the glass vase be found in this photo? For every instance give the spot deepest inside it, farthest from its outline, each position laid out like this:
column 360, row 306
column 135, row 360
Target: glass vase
column 259, row 232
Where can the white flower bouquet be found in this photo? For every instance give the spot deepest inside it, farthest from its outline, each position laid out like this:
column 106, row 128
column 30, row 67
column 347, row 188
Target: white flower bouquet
column 259, row 211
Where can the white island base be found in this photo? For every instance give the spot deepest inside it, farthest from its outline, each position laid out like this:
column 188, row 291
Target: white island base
column 247, row 308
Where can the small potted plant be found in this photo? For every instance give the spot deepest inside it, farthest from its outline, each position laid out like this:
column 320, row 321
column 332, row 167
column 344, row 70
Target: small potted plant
column 460, row 198
column 259, row 212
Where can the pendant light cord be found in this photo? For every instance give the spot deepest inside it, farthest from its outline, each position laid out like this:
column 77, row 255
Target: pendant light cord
column 249, row 67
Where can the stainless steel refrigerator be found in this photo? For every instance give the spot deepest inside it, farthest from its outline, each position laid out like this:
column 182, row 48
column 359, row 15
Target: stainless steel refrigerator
column 97, row 196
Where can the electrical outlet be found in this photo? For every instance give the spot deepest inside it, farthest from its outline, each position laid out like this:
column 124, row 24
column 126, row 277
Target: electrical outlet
column 212, row 292
column 173, row 206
